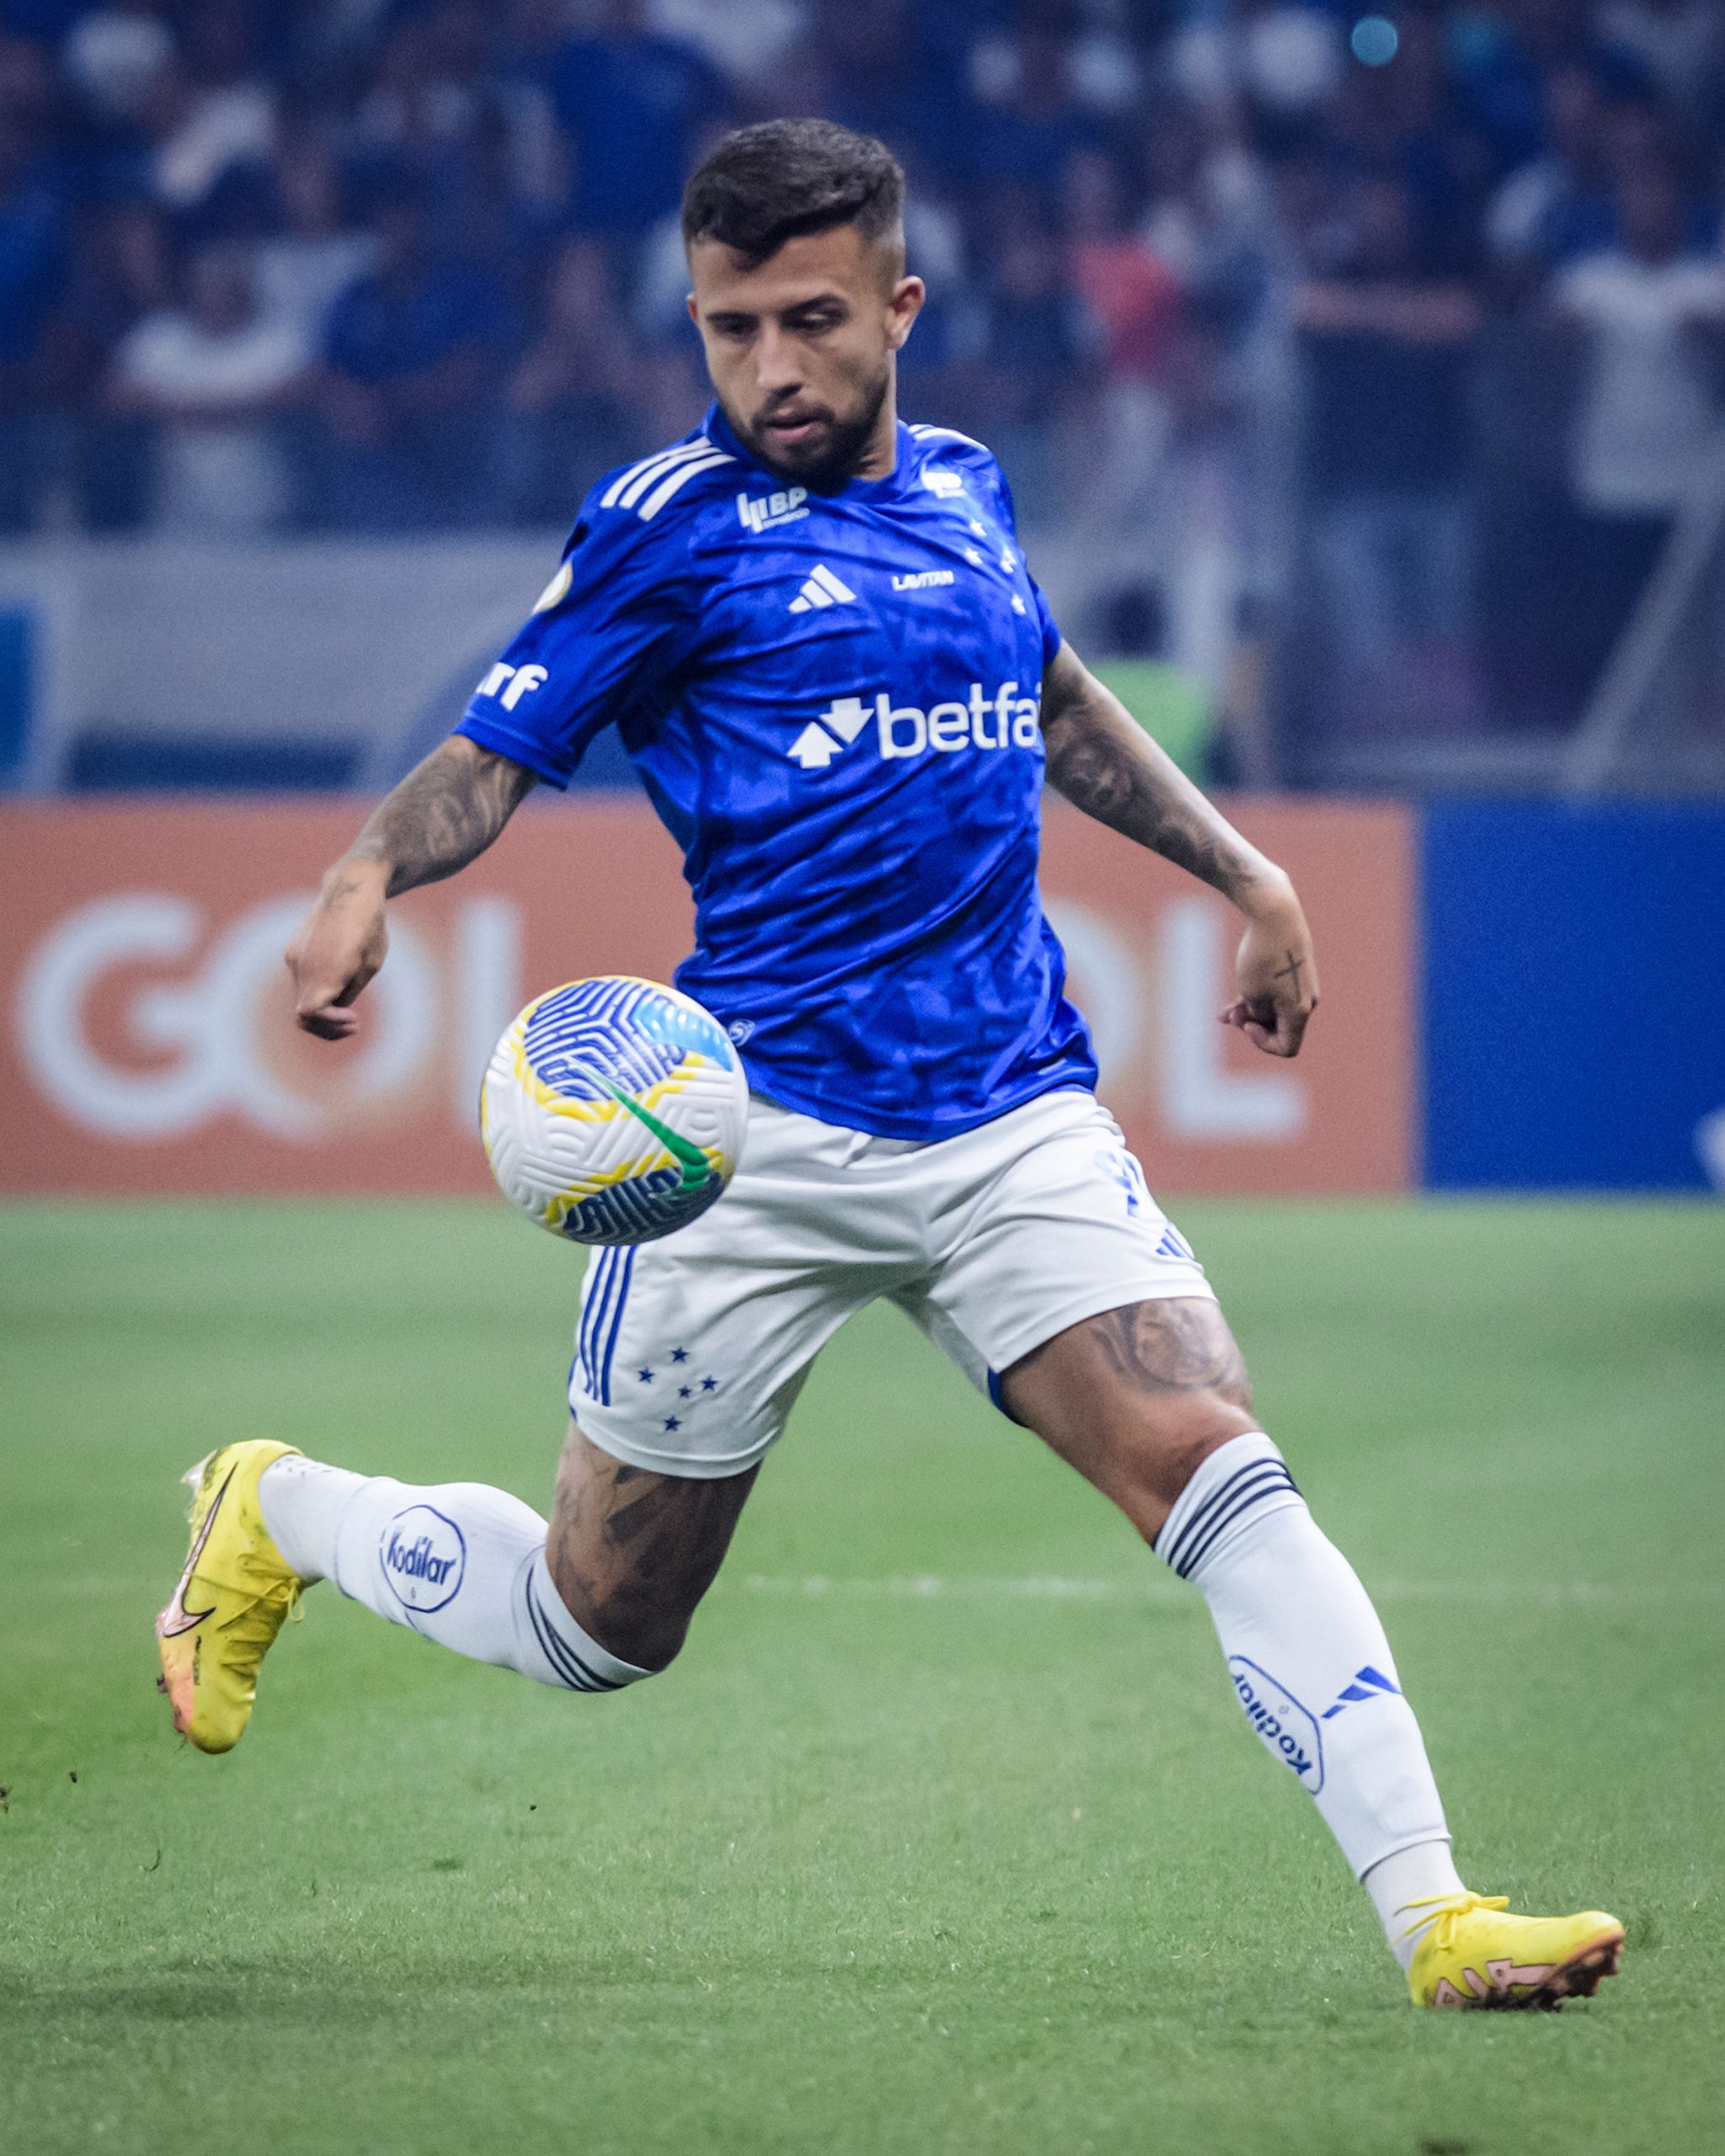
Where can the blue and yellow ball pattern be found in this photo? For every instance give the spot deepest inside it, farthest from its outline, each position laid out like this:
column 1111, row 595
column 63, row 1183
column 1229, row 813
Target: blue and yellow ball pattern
column 614, row 1110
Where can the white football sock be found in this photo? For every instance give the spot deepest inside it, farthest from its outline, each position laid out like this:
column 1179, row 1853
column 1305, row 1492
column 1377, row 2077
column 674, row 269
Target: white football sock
column 302, row 1502
column 1311, row 1668
column 1403, row 1885
column 458, row 1562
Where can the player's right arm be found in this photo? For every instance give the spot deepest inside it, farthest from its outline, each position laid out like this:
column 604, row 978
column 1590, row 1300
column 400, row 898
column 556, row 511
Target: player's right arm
column 608, row 630
column 444, row 813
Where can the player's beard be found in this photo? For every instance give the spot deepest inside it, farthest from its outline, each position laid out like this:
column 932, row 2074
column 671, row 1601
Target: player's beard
column 826, row 461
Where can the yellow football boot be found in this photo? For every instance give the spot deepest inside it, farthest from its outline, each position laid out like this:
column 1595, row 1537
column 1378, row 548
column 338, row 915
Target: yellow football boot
column 1473, row 1953
column 233, row 1598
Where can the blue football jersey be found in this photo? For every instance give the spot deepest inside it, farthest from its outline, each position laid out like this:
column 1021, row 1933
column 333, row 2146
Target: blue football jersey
column 833, row 700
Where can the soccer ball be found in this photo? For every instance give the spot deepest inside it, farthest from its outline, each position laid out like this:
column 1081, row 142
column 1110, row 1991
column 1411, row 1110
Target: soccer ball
column 613, row 1110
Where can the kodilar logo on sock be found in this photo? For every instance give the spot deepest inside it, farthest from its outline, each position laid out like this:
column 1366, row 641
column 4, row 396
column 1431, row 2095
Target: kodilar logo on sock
column 1285, row 1726
column 424, row 1557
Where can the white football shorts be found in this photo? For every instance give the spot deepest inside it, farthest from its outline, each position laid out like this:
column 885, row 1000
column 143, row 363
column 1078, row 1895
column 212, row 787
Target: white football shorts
column 689, row 1352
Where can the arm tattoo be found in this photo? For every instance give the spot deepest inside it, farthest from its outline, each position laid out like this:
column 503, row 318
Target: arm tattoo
column 1104, row 762
column 1179, row 1345
column 444, row 813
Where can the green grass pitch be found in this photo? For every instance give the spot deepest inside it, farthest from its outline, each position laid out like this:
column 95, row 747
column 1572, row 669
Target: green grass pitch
column 945, row 1834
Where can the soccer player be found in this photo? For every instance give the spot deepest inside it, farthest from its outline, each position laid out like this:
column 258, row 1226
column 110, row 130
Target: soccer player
column 815, row 630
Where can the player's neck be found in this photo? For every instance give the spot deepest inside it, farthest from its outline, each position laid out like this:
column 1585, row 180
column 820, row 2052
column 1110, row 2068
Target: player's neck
column 880, row 454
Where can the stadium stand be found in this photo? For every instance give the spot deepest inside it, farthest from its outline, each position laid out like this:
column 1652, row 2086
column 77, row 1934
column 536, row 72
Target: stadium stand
column 1378, row 353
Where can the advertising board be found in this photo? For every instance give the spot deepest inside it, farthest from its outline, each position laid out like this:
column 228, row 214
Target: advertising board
column 149, row 1045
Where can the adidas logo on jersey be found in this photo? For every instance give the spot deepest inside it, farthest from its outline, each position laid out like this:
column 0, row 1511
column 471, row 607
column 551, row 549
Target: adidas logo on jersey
column 822, row 589
column 1002, row 720
column 768, row 509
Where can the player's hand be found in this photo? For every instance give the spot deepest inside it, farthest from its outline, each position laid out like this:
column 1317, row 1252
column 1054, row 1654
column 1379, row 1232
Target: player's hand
column 339, row 949
column 1277, row 975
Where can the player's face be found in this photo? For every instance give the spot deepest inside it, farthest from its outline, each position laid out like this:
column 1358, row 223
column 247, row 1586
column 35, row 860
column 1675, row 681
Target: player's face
column 800, row 349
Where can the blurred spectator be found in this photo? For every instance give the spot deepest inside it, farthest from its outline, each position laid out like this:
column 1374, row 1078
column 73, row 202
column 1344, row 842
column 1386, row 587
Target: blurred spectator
column 1649, row 315
column 33, row 263
column 1399, row 122
column 1386, row 342
column 1038, row 348
column 313, row 257
column 114, row 53
column 209, row 115
column 122, row 278
column 411, row 350
column 931, row 366
column 745, row 40
column 1030, row 114
column 882, row 79
column 1135, row 301
column 214, row 377
column 1284, row 59
column 631, row 100
column 1558, row 204
column 1506, row 57
column 1676, row 43
column 569, row 400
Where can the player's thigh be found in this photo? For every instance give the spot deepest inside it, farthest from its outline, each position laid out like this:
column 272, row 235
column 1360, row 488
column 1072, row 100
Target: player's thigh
column 689, row 1355
column 1076, row 1302
column 1135, row 1397
column 632, row 1552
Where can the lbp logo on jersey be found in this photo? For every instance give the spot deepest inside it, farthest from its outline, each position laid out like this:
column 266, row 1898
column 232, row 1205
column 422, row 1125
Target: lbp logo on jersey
column 997, row 719
column 1285, row 1726
column 423, row 1559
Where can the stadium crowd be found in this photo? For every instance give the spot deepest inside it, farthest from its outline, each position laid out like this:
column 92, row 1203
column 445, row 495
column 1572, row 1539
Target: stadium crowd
column 1421, row 311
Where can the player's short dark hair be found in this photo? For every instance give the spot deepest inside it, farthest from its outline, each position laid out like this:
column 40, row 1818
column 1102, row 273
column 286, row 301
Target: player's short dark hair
column 775, row 182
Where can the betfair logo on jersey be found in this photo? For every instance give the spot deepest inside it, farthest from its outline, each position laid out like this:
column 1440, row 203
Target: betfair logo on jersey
column 768, row 509
column 1002, row 720
column 509, row 684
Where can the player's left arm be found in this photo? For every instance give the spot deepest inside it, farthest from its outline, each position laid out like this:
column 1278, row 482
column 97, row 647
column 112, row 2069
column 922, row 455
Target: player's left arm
column 1104, row 763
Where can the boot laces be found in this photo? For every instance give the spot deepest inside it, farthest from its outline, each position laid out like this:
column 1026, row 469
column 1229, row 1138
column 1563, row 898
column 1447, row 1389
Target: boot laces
column 1446, row 1909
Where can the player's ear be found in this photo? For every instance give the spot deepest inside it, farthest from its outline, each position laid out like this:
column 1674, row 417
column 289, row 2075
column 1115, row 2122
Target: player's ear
column 904, row 305
column 694, row 311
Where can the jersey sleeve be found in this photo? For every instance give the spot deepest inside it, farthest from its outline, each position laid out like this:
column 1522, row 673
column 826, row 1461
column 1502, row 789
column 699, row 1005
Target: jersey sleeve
column 1044, row 614
column 609, row 628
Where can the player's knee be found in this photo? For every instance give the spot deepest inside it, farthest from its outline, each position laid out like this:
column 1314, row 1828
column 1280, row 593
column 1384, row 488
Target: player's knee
column 1174, row 1438
column 620, row 1617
